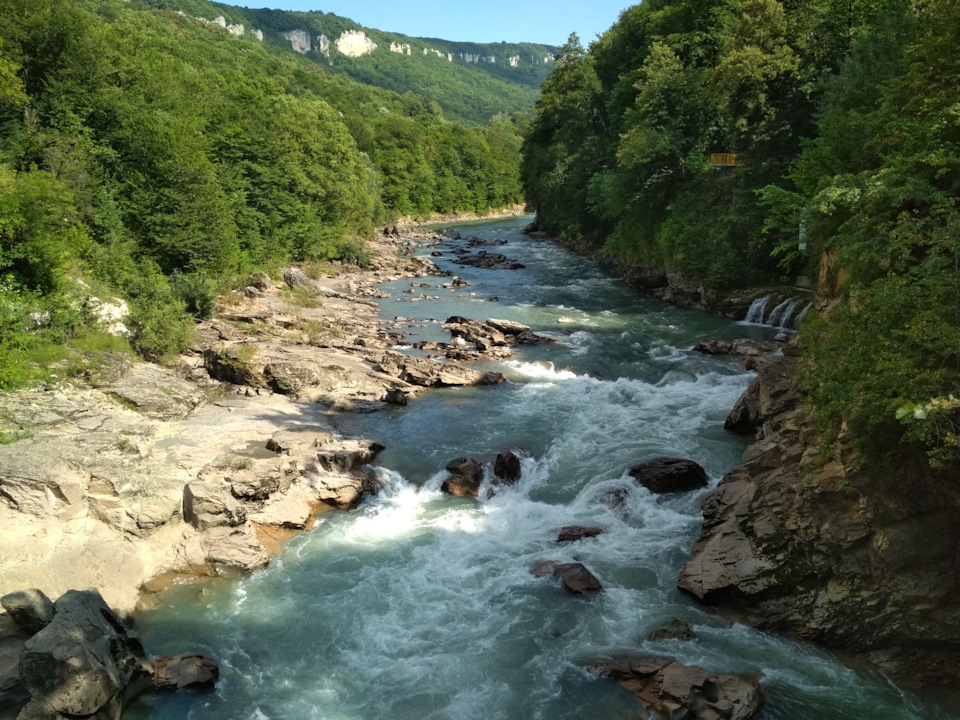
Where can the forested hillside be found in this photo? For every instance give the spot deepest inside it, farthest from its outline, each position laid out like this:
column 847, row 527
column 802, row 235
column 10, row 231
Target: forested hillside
column 843, row 120
column 148, row 156
column 472, row 82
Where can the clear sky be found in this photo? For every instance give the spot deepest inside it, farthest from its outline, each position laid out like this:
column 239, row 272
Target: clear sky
column 548, row 22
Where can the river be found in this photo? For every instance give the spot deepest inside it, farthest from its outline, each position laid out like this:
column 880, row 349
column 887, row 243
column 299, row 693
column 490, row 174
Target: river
column 420, row 606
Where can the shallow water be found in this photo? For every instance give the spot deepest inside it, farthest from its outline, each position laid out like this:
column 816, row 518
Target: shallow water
column 418, row 605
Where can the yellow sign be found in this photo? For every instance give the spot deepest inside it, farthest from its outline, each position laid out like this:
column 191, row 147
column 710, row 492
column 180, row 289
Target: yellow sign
column 723, row 159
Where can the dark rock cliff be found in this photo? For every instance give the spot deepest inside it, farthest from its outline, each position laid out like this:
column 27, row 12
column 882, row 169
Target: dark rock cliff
column 850, row 556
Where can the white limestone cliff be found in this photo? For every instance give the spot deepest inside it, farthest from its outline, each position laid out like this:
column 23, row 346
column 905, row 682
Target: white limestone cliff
column 402, row 48
column 355, row 43
column 299, row 40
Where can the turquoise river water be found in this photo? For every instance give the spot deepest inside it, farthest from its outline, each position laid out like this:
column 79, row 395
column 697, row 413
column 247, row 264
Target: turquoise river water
column 420, row 606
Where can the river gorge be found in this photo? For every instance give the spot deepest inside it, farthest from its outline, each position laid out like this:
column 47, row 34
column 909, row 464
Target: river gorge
column 420, row 605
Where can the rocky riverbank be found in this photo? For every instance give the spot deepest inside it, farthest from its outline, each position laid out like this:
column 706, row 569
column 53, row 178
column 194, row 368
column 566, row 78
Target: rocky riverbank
column 802, row 540
column 147, row 475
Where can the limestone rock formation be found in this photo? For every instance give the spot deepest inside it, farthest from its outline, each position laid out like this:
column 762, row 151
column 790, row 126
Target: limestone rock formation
column 355, row 43
column 673, row 691
column 299, row 40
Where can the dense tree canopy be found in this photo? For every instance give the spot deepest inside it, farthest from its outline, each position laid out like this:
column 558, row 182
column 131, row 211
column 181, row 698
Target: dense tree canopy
column 136, row 144
column 843, row 119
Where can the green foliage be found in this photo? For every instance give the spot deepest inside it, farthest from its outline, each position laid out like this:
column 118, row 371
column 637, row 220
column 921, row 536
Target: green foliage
column 196, row 291
column 619, row 153
column 157, row 158
column 844, row 118
column 455, row 80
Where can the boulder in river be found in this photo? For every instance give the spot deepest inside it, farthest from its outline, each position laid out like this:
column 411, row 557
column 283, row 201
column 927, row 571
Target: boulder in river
column 676, row 629
column 572, row 533
column 466, row 474
column 506, row 468
column 574, row 576
column 688, row 692
column 669, row 475
column 83, row 662
column 489, row 261
column 742, row 346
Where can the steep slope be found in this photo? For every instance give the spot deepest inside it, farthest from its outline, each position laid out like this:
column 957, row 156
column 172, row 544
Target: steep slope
column 472, row 82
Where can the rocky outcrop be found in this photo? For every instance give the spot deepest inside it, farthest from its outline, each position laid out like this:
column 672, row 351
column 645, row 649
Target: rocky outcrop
column 427, row 373
column 669, row 475
column 355, row 43
column 673, row 691
column 767, row 402
column 179, row 671
column 805, row 542
column 83, row 662
column 744, row 347
column 299, row 40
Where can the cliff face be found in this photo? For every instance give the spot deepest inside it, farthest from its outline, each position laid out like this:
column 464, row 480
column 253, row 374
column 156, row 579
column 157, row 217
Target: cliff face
column 850, row 556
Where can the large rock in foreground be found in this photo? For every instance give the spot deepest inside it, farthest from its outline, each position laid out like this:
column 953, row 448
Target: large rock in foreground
column 83, row 662
column 669, row 475
column 466, row 475
column 685, row 692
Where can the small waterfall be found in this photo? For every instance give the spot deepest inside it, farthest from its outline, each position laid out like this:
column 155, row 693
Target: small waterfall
column 757, row 308
column 780, row 315
column 801, row 315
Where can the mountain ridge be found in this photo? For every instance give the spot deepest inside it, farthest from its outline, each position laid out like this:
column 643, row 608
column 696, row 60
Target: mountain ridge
column 471, row 81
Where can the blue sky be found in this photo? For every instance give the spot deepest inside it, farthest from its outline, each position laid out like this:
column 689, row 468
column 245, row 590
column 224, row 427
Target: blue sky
column 549, row 22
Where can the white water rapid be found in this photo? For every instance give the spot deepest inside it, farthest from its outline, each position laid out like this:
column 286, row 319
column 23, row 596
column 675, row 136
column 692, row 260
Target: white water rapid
column 419, row 606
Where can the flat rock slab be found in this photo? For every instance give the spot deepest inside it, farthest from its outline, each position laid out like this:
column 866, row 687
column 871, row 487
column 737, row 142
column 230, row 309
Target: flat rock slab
column 156, row 392
column 669, row 475
column 180, row 671
column 672, row 690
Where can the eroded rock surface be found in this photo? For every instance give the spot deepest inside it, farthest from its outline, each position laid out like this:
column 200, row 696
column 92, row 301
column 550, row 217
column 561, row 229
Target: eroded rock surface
column 673, row 691
column 860, row 558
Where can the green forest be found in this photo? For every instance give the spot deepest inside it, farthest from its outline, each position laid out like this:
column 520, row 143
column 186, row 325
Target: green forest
column 468, row 91
column 844, row 119
column 147, row 156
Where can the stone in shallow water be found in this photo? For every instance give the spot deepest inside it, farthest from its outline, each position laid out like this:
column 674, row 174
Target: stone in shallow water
column 669, row 475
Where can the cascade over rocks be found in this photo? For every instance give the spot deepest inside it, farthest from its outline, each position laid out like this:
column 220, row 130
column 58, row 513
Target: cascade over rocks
column 684, row 692
column 853, row 557
column 669, row 475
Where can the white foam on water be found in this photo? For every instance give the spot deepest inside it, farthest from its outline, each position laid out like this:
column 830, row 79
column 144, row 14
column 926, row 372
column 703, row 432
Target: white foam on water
column 541, row 370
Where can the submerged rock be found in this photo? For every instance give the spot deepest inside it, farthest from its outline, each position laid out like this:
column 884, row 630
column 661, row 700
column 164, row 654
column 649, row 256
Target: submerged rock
column 572, row 533
column 669, row 475
column 674, row 630
column 179, row 671
column 688, row 692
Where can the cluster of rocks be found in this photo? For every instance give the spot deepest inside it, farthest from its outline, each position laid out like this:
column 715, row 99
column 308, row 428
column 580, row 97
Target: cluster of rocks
column 76, row 658
column 664, row 686
column 493, row 338
column 680, row 692
column 467, row 475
